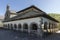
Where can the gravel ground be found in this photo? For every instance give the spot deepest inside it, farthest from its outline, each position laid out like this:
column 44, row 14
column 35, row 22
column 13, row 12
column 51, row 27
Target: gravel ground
column 18, row 35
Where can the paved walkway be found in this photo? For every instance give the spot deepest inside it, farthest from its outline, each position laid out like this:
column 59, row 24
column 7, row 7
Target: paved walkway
column 17, row 35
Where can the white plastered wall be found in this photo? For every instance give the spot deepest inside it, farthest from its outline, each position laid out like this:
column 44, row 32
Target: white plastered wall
column 28, row 21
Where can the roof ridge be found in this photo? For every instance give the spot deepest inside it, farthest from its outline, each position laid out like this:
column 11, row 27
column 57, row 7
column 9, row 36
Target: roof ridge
column 32, row 6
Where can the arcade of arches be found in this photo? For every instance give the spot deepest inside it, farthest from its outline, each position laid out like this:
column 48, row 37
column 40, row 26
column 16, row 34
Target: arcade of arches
column 33, row 26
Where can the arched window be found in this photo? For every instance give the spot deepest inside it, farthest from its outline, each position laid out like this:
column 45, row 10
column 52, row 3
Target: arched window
column 15, row 26
column 19, row 26
column 25, row 26
column 34, row 26
column 45, row 25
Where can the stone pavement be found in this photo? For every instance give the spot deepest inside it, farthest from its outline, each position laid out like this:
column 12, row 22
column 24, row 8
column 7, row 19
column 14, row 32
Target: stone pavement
column 18, row 35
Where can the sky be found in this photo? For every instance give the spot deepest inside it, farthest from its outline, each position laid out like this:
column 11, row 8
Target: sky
column 48, row 6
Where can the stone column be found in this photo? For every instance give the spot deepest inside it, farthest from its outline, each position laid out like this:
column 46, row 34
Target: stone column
column 17, row 27
column 7, row 26
column 13, row 27
column 54, row 27
column 21, row 27
column 47, row 27
column 39, row 30
column 29, row 26
column 51, row 27
column 10, row 26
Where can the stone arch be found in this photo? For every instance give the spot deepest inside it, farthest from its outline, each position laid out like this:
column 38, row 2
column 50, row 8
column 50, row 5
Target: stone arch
column 19, row 26
column 25, row 26
column 15, row 26
column 34, row 26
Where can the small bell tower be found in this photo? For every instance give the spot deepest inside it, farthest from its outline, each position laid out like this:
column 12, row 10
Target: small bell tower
column 7, row 14
column 7, row 7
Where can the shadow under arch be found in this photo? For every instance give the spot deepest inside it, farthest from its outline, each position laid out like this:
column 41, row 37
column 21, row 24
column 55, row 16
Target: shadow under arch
column 19, row 26
column 34, row 26
column 25, row 26
column 15, row 26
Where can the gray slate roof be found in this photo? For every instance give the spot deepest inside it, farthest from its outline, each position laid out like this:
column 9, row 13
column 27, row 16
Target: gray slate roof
column 30, row 15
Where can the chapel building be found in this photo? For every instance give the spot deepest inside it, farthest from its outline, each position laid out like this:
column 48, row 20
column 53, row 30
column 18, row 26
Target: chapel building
column 30, row 19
